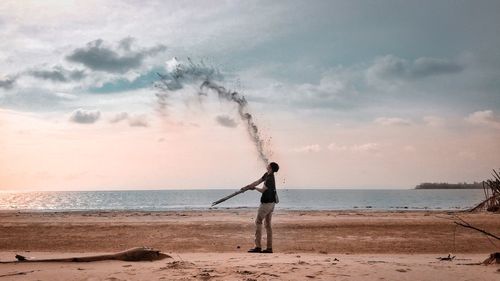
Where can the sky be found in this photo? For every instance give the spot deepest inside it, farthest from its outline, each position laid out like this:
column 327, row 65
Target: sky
column 345, row 94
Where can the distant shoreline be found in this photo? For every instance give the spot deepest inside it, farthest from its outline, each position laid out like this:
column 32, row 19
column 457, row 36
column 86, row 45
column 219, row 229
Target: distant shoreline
column 475, row 185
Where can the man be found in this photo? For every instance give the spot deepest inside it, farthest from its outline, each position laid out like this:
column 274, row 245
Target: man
column 267, row 201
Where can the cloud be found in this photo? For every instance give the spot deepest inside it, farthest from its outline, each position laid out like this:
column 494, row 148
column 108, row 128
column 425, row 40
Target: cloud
column 36, row 99
column 98, row 56
column 57, row 74
column 336, row 147
column 335, row 90
column 126, row 43
column 434, row 121
column 392, row 67
column 365, row 147
column 138, row 121
column 84, row 116
column 133, row 120
column 392, row 121
column 119, row 117
column 7, row 82
column 226, row 121
column 308, row 148
column 484, row 118
column 423, row 67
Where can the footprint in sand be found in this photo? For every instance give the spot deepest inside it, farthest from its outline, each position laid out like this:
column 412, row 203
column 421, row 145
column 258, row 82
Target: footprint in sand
column 203, row 276
column 268, row 274
column 113, row 279
column 403, row 270
column 245, row 272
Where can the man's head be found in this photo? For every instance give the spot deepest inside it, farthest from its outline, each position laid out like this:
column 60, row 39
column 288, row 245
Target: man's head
column 273, row 167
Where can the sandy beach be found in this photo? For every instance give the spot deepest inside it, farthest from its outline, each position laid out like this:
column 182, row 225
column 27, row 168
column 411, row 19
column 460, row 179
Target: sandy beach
column 211, row 245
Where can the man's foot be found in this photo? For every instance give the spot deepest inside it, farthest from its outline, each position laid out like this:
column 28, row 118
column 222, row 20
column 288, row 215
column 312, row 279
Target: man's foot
column 255, row 250
column 268, row 251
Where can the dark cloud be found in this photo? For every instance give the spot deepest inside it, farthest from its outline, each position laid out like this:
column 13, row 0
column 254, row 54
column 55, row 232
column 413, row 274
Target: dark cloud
column 57, row 74
column 126, row 43
column 423, row 67
column 97, row 56
column 226, row 121
column 153, row 51
column 392, row 67
column 7, row 83
column 84, row 116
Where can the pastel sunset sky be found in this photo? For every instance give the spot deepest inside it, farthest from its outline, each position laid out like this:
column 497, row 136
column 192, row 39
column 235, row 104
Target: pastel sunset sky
column 346, row 94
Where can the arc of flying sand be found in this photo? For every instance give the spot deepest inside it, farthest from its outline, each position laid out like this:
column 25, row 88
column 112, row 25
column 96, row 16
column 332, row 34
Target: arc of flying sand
column 245, row 116
column 180, row 74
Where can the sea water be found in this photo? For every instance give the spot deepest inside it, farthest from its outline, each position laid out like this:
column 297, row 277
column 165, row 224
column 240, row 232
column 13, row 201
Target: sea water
column 290, row 199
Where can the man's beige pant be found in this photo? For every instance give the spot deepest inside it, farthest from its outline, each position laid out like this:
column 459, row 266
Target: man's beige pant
column 265, row 214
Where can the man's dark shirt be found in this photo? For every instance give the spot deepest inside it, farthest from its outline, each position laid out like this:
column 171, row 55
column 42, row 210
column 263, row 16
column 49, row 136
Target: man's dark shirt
column 269, row 196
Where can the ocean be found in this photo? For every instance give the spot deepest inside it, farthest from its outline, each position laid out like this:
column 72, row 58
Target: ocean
column 290, row 199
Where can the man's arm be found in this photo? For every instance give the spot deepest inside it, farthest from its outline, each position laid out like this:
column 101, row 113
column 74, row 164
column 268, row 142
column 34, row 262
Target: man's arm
column 253, row 185
column 261, row 189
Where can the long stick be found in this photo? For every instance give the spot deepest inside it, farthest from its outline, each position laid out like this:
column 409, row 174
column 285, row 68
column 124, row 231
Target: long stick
column 227, row 197
column 467, row 225
column 18, row 273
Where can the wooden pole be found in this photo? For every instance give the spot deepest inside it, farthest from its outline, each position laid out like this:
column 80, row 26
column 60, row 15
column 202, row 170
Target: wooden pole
column 227, row 197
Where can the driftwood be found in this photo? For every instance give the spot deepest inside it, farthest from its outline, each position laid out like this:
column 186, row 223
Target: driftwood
column 448, row 258
column 18, row 273
column 468, row 225
column 491, row 193
column 134, row 254
column 494, row 258
column 487, row 204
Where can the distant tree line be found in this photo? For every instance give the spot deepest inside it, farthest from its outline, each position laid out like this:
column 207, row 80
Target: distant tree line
column 429, row 185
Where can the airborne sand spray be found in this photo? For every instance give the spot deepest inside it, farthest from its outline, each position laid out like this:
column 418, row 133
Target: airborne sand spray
column 245, row 116
column 179, row 74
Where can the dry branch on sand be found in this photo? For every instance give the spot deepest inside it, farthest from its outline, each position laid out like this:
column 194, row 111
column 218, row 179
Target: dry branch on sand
column 494, row 257
column 134, row 254
column 468, row 225
column 492, row 193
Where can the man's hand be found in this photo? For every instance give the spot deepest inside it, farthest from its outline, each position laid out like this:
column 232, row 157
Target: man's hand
column 248, row 187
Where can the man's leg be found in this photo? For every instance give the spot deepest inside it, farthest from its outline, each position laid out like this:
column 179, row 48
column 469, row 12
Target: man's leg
column 258, row 225
column 269, row 229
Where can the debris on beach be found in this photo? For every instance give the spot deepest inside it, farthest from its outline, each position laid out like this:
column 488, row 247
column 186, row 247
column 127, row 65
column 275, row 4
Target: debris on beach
column 492, row 193
column 465, row 224
column 493, row 258
column 448, row 258
column 133, row 254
